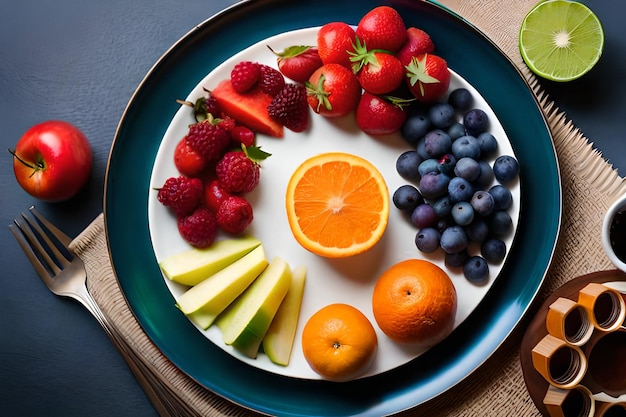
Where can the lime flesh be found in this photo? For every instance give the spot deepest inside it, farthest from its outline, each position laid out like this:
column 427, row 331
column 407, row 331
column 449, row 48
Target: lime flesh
column 561, row 40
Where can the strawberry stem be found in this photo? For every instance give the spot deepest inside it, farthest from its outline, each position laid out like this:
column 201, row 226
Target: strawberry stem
column 319, row 93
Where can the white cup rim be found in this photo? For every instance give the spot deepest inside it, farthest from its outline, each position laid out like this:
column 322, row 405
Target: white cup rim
column 618, row 205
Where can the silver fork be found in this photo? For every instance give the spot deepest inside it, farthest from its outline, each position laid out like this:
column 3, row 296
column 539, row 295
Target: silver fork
column 65, row 275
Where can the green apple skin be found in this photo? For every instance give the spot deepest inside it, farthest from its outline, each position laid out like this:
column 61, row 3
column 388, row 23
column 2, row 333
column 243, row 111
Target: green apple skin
column 278, row 341
column 254, row 311
column 204, row 302
column 195, row 265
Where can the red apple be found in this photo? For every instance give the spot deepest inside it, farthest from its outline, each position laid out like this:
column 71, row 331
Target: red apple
column 52, row 160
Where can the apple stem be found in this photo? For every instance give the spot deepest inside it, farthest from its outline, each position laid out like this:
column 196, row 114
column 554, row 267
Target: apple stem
column 35, row 167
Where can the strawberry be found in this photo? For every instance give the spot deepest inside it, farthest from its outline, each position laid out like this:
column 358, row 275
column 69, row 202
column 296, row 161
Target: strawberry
column 187, row 160
column 418, row 42
column 183, row 195
column 234, row 214
column 208, row 139
column 214, row 195
column 428, row 77
column 290, row 107
column 382, row 28
column 238, row 171
column 298, row 62
column 199, row 228
column 380, row 115
column 245, row 75
column 333, row 90
column 242, row 135
column 378, row 72
column 271, row 80
column 334, row 41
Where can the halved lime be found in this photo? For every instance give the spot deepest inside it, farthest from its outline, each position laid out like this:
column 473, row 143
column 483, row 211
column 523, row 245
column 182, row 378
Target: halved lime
column 561, row 40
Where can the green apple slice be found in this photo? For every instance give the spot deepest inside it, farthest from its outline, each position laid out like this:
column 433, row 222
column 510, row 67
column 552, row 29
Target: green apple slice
column 204, row 302
column 195, row 265
column 250, row 315
column 278, row 341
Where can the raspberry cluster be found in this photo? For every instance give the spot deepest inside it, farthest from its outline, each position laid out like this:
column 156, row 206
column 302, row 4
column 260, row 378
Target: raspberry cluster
column 218, row 164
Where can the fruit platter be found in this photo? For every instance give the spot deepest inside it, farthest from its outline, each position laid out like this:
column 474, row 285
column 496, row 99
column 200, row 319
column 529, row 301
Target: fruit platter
column 490, row 288
column 348, row 280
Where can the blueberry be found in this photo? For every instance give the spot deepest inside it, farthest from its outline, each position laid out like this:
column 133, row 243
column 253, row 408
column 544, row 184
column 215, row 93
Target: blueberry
column 456, row 259
column 423, row 216
column 406, row 165
column 407, row 197
column 488, row 143
column 476, row 269
column 461, row 99
column 427, row 239
column 493, row 250
column 444, row 222
column 462, row 213
column 500, row 223
column 428, row 165
column 486, row 174
column 467, row 168
column 505, row 168
column 447, row 164
column 466, row 146
column 460, row 189
column 441, row 115
column 415, row 127
column 442, row 206
column 502, row 197
column 437, row 143
column 476, row 122
column 482, row 202
column 455, row 131
column 434, row 185
column 454, row 239
column 421, row 148
column 478, row 230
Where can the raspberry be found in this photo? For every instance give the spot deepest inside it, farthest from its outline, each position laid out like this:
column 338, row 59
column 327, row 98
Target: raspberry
column 290, row 107
column 208, row 139
column 211, row 106
column 183, row 195
column 237, row 173
column 244, row 76
column 199, row 228
column 226, row 123
column 271, row 80
column 234, row 214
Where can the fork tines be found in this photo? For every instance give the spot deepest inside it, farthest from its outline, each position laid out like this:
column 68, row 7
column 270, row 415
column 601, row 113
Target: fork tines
column 44, row 244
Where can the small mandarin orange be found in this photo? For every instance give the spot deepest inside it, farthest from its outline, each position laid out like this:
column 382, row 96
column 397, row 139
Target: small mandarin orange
column 337, row 205
column 415, row 301
column 339, row 342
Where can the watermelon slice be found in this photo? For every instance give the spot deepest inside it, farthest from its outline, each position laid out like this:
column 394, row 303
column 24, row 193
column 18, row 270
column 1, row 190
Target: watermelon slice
column 249, row 109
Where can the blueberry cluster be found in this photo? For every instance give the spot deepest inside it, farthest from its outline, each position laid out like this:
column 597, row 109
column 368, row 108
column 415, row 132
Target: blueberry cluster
column 452, row 198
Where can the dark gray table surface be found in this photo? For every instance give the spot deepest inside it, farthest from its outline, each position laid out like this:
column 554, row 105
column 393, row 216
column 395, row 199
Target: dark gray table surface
column 80, row 61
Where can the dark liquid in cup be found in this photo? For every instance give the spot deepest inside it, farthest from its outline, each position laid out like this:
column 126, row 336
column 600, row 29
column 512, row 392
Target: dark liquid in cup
column 617, row 235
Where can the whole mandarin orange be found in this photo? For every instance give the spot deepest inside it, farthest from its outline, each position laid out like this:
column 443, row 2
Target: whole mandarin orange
column 414, row 301
column 339, row 342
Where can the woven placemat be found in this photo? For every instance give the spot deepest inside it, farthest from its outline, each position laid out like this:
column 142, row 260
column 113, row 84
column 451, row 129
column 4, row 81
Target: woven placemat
column 497, row 388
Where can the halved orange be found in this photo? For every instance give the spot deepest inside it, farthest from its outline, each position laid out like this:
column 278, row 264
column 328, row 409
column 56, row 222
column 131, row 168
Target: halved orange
column 337, row 204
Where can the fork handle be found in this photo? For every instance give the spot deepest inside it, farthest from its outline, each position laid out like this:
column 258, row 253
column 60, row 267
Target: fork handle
column 166, row 402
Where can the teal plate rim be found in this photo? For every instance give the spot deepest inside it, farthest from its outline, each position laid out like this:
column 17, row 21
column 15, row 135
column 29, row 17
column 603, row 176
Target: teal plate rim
column 145, row 120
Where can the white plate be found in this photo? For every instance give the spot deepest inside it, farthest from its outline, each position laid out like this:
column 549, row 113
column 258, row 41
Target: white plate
column 348, row 280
